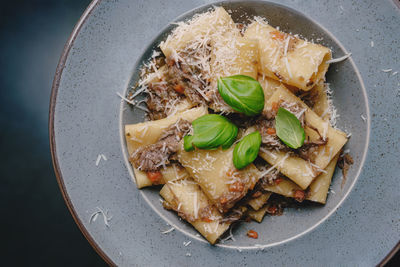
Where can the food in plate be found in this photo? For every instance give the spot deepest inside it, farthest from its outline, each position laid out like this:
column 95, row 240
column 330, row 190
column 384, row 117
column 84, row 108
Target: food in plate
column 238, row 114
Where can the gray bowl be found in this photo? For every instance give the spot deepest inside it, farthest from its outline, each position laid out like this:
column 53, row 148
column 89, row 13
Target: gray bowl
column 106, row 49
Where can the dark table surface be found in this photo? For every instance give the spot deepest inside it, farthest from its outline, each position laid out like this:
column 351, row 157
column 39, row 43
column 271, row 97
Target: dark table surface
column 36, row 226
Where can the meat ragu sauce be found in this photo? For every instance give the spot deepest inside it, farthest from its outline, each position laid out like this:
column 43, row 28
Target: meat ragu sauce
column 153, row 157
column 180, row 82
column 265, row 123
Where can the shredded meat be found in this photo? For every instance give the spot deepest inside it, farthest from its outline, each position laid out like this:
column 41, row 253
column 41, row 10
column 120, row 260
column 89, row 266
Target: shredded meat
column 205, row 213
column 270, row 177
column 154, row 156
column 159, row 97
column 299, row 195
column 309, row 97
column 277, row 204
column 241, row 120
column 186, row 76
column 228, row 200
column 345, row 161
column 306, row 151
column 267, row 179
column 233, row 216
column 269, row 141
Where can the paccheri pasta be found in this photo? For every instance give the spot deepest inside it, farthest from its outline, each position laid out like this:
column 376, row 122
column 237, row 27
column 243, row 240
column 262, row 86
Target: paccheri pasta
column 238, row 114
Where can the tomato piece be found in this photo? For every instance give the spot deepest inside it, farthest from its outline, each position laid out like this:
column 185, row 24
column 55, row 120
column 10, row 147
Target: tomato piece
column 236, row 187
column 275, row 106
column 252, row 234
column 229, row 173
column 179, row 88
column 223, row 200
column 272, row 209
column 299, row 195
column 278, row 181
column 154, row 177
column 206, row 219
column 277, row 35
column 271, row 131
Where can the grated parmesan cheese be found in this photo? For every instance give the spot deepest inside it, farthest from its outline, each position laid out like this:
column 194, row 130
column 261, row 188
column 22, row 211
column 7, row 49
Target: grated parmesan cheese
column 386, row 70
column 133, row 103
column 363, row 118
column 126, row 99
column 318, row 168
column 95, row 215
column 98, row 160
column 335, row 60
column 168, row 231
column 288, row 67
column 278, row 164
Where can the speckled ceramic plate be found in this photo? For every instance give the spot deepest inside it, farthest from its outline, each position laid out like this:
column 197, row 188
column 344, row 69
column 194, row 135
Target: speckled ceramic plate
column 358, row 225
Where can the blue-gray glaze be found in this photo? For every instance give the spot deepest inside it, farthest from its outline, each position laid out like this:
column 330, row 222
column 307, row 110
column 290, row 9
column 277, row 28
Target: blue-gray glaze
column 87, row 122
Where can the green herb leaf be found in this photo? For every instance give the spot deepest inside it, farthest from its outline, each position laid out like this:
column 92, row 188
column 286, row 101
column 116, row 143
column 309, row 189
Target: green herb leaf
column 188, row 143
column 246, row 150
column 288, row 129
column 243, row 93
column 210, row 132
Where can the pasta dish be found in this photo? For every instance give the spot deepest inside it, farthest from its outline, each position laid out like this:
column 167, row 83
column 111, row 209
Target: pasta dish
column 240, row 122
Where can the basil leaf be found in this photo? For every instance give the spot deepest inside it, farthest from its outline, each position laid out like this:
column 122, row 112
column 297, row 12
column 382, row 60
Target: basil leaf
column 232, row 137
column 243, row 93
column 246, row 151
column 210, row 132
column 288, row 129
column 188, row 143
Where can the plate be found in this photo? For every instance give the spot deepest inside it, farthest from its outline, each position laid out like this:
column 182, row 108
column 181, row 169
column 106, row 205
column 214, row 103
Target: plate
column 109, row 44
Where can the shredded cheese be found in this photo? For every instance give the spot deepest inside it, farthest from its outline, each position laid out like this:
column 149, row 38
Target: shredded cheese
column 168, row 231
column 95, row 215
column 363, row 118
column 387, row 70
column 98, row 160
column 288, row 67
column 335, row 60
column 279, row 163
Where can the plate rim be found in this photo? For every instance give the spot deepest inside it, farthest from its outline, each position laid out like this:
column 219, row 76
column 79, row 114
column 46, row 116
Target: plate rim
column 53, row 97
column 60, row 180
